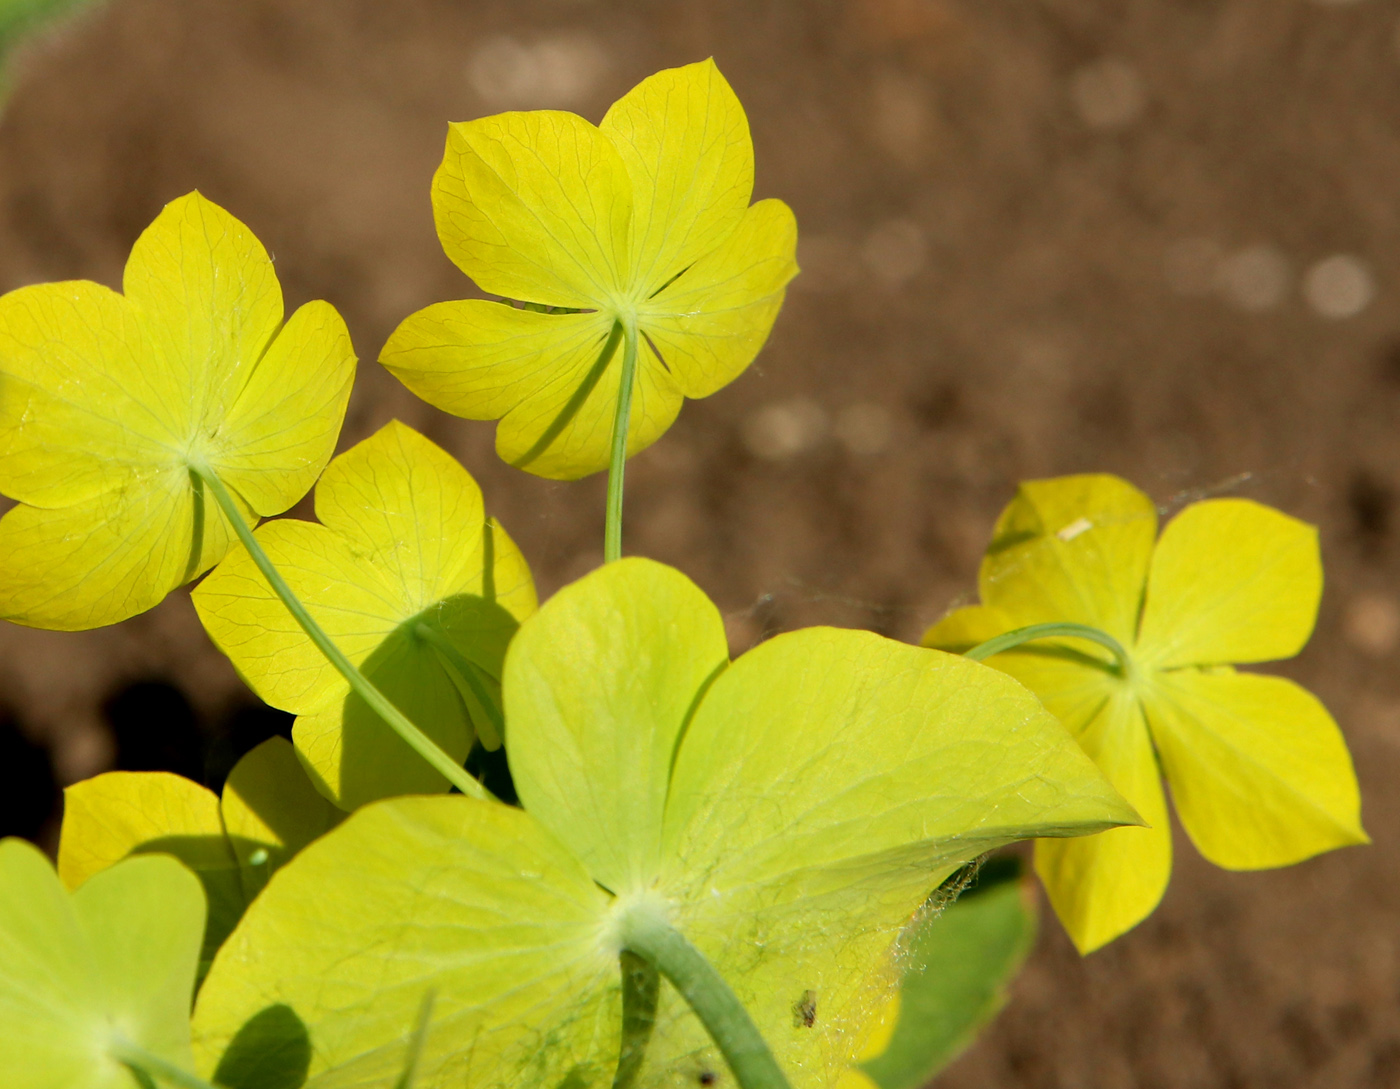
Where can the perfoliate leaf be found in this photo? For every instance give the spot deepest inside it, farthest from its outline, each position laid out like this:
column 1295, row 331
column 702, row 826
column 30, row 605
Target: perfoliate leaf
column 643, row 222
column 115, row 959
column 823, row 786
column 473, row 900
column 123, row 813
column 1259, row 772
column 107, row 400
column 403, row 559
column 958, row 963
column 657, row 641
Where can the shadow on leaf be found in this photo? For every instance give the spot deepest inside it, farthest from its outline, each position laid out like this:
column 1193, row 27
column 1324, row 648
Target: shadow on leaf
column 271, row 1051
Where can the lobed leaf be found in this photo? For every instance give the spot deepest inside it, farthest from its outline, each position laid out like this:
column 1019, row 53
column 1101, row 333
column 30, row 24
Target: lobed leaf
column 107, row 400
column 403, row 545
column 115, row 959
column 641, row 223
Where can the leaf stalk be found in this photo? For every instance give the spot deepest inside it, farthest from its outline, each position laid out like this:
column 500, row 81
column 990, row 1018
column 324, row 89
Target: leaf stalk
column 617, row 465
column 654, row 940
column 415, row 738
column 1012, row 639
column 138, row 1059
column 491, row 732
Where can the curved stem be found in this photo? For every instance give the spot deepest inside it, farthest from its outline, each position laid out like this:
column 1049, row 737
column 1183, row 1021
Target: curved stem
column 379, row 703
column 641, row 987
column 719, row 1009
column 153, row 1066
column 1012, row 639
column 612, row 533
column 492, row 731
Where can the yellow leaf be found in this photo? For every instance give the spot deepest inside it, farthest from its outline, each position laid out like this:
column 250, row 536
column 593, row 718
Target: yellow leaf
column 1073, row 548
column 641, row 228
column 1259, row 772
column 1232, row 581
column 271, row 811
column 403, row 555
column 1102, row 886
column 108, row 401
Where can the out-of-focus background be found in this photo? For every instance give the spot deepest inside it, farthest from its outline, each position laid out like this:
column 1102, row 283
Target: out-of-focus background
column 1154, row 237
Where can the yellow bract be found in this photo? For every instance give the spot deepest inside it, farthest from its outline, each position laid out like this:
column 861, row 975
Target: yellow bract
column 1258, row 770
column 404, row 560
column 643, row 221
column 107, row 400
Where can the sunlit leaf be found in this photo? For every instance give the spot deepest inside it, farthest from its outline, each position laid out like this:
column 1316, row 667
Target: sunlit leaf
column 824, row 784
column 269, row 811
column 1258, row 770
column 107, row 400
column 642, row 221
column 403, row 559
column 123, row 813
column 114, row 959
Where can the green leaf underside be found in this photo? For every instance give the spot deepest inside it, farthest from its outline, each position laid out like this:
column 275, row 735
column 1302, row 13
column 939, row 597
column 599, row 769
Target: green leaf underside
column 268, row 812
column 958, row 964
column 1259, row 772
column 106, row 399
column 116, row 957
column 644, row 218
column 403, row 541
column 792, row 867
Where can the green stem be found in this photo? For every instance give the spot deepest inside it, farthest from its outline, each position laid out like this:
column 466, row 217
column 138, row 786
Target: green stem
column 492, row 731
column 612, row 534
column 718, row 1008
column 641, row 987
column 1012, row 639
column 153, row 1066
column 416, row 739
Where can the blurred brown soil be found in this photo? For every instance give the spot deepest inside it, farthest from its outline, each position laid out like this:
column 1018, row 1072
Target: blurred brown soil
column 1041, row 237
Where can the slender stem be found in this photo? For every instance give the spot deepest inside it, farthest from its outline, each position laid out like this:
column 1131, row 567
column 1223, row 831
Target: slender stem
column 612, row 534
column 718, row 1008
column 153, row 1066
column 492, row 731
column 416, row 739
column 1012, row 639
column 641, row 987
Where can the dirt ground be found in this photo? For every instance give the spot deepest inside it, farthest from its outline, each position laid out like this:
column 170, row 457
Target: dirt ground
column 1154, row 237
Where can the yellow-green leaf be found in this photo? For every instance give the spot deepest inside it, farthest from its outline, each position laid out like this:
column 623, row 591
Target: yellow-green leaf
column 107, row 401
column 402, row 560
column 117, row 957
column 1259, row 772
column 123, row 813
column 824, row 784
column 472, row 900
column 271, row 811
column 597, row 700
column 1232, row 581
column 641, row 226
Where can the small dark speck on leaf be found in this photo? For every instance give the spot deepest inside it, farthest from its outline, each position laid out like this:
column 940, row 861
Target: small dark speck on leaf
column 708, row 1077
column 804, row 1010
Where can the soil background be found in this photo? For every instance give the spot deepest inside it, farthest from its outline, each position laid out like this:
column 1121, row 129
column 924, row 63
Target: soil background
column 1159, row 238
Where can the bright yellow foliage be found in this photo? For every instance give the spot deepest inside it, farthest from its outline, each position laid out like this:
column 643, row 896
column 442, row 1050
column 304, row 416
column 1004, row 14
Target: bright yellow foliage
column 643, row 221
column 107, row 400
column 1258, row 770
